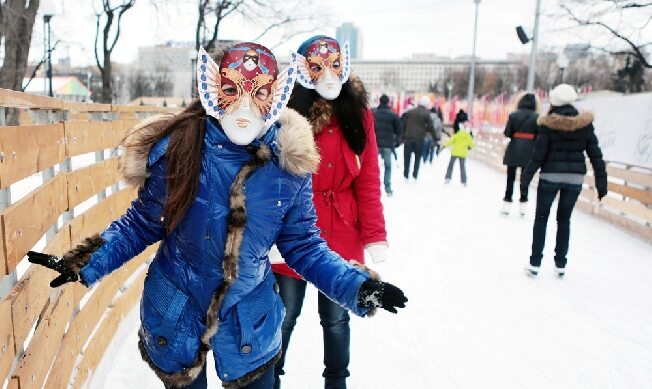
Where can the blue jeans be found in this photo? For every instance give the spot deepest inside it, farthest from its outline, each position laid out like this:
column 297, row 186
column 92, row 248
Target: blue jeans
column 335, row 326
column 266, row 381
column 386, row 154
column 428, row 150
column 546, row 193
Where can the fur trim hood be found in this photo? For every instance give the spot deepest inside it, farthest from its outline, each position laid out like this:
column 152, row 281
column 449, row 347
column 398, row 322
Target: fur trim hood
column 322, row 110
column 297, row 152
column 566, row 123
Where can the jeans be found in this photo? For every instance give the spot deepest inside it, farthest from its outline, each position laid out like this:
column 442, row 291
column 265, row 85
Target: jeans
column 386, row 154
column 451, row 164
column 546, row 193
column 266, row 381
column 412, row 146
column 428, row 150
column 335, row 326
column 511, row 177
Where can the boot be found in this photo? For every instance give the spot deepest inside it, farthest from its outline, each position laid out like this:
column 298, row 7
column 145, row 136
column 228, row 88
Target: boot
column 507, row 206
column 522, row 208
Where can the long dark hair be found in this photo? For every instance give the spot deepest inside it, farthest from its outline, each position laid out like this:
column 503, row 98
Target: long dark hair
column 348, row 107
column 183, row 157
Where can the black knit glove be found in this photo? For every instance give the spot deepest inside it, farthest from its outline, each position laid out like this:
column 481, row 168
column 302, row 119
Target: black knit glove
column 602, row 193
column 57, row 264
column 380, row 294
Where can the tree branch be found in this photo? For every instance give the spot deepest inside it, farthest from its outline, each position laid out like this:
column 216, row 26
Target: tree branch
column 97, row 33
column 125, row 8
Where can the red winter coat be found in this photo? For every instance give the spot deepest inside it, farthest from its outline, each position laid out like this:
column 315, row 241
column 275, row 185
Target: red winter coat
column 346, row 191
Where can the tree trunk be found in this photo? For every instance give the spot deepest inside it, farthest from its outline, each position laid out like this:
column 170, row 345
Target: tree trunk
column 107, row 87
column 17, row 24
column 17, row 21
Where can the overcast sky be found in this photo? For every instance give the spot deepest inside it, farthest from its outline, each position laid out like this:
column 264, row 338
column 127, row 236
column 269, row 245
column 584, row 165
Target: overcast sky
column 391, row 29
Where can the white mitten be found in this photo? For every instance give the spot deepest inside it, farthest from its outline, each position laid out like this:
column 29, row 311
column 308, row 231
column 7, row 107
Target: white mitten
column 378, row 252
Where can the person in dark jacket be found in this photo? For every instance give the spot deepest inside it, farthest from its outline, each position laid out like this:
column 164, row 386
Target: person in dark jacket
column 565, row 134
column 522, row 130
column 219, row 184
column 416, row 123
column 388, row 134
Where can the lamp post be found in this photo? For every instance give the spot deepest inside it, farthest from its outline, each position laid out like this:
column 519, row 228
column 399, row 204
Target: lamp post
column 48, row 13
column 469, row 94
column 533, row 54
column 562, row 63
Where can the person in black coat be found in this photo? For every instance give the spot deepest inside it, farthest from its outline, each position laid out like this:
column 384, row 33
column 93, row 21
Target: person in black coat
column 389, row 131
column 565, row 135
column 522, row 130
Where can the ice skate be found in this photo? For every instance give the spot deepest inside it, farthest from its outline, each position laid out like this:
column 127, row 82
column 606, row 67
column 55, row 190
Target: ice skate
column 507, row 206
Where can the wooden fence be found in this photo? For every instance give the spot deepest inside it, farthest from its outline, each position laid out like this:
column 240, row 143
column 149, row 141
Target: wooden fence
column 628, row 204
column 50, row 338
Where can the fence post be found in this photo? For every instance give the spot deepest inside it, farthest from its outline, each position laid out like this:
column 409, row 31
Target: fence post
column 7, row 282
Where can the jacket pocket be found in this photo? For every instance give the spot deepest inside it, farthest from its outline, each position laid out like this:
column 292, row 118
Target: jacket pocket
column 260, row 315
column 171, row 331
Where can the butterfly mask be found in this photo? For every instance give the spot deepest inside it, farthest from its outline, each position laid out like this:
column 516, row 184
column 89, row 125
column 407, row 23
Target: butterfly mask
column 323, row 66
column 245, row 92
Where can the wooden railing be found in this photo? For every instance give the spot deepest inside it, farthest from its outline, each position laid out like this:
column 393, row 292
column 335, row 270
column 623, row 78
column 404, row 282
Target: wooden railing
column 628, row 204
column 62, row 163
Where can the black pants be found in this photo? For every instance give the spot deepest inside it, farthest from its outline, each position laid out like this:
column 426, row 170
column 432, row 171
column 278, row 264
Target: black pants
column 511, row 177
column 546, row 193
column 412, row 146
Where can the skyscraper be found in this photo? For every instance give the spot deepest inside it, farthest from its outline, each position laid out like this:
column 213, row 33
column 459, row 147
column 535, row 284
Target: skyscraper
column 348, row 32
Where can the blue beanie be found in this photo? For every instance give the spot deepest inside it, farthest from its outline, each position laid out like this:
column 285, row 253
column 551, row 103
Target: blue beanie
column 303, row 48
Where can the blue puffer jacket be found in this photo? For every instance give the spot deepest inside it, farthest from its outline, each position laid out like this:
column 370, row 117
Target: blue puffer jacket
column 187, row 270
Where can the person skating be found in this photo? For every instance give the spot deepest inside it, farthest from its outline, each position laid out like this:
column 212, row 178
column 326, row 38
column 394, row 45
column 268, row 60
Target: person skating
column 522, row 130
column 416, row 123
column 388, row 135
column 565, row 135
column 460, row 143
column 346, row 191
column 219, row 184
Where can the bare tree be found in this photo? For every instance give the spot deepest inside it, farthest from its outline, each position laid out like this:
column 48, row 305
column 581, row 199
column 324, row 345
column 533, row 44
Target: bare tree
column 109, row 17
column 623, row 20
column 16, row 25
column 277, row 15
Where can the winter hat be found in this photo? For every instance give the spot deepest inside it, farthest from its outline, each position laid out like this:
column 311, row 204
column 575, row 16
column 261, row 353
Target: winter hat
column 424, row 101
column 562, row 94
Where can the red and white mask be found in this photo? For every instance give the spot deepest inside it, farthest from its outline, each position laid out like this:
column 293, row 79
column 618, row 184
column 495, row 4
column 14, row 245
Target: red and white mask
column 323, row 66
column 245, row 92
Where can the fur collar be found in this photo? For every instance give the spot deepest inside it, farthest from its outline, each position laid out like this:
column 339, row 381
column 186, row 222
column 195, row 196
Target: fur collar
column 322, row 110
column 298, row 154
column 566, row 123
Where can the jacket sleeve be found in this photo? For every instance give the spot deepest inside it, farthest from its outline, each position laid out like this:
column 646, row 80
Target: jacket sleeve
column 308, row 254
column 430, row 125
column 138, row 228
column 367, row 191
column 509, row 128
column 541, row 145
column 398, row 129
column 599, row 167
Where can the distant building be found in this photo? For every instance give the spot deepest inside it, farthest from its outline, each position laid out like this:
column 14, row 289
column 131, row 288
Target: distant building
column 577, row 51
column 348, row 32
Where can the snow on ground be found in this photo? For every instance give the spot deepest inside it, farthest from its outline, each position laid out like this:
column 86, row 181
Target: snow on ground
column 474, row 320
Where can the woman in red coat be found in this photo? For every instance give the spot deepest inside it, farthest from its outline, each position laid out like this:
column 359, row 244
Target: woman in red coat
column 346, row 190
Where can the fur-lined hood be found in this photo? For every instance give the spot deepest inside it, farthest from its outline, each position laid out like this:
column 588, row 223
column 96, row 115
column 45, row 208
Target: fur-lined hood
column 298, row 154
column 322, row 110
column 566, row 123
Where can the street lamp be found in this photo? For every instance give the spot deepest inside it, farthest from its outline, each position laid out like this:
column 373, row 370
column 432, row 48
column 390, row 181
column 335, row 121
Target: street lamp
column 469, row 95
column 533, row 54
column 48, row 13
column 562, row 63
column 192, row 54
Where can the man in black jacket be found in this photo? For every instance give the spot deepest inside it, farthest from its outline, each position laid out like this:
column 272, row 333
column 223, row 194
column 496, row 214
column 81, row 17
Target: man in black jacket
column 388, row 135
column 416, row 123
column 564, row 136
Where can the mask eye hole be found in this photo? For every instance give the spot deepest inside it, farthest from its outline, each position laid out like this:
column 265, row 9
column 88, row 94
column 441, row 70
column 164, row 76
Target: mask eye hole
column 262, row 94
column 315, row 67
column 336, row 65
column 229, row 90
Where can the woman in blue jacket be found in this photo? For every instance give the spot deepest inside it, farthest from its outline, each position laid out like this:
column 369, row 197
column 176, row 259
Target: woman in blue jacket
column 219, row 184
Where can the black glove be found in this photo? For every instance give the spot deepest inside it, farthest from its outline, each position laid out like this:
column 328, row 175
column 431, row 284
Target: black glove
column 381, row 294
column 602, row 193
column 57, row 264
